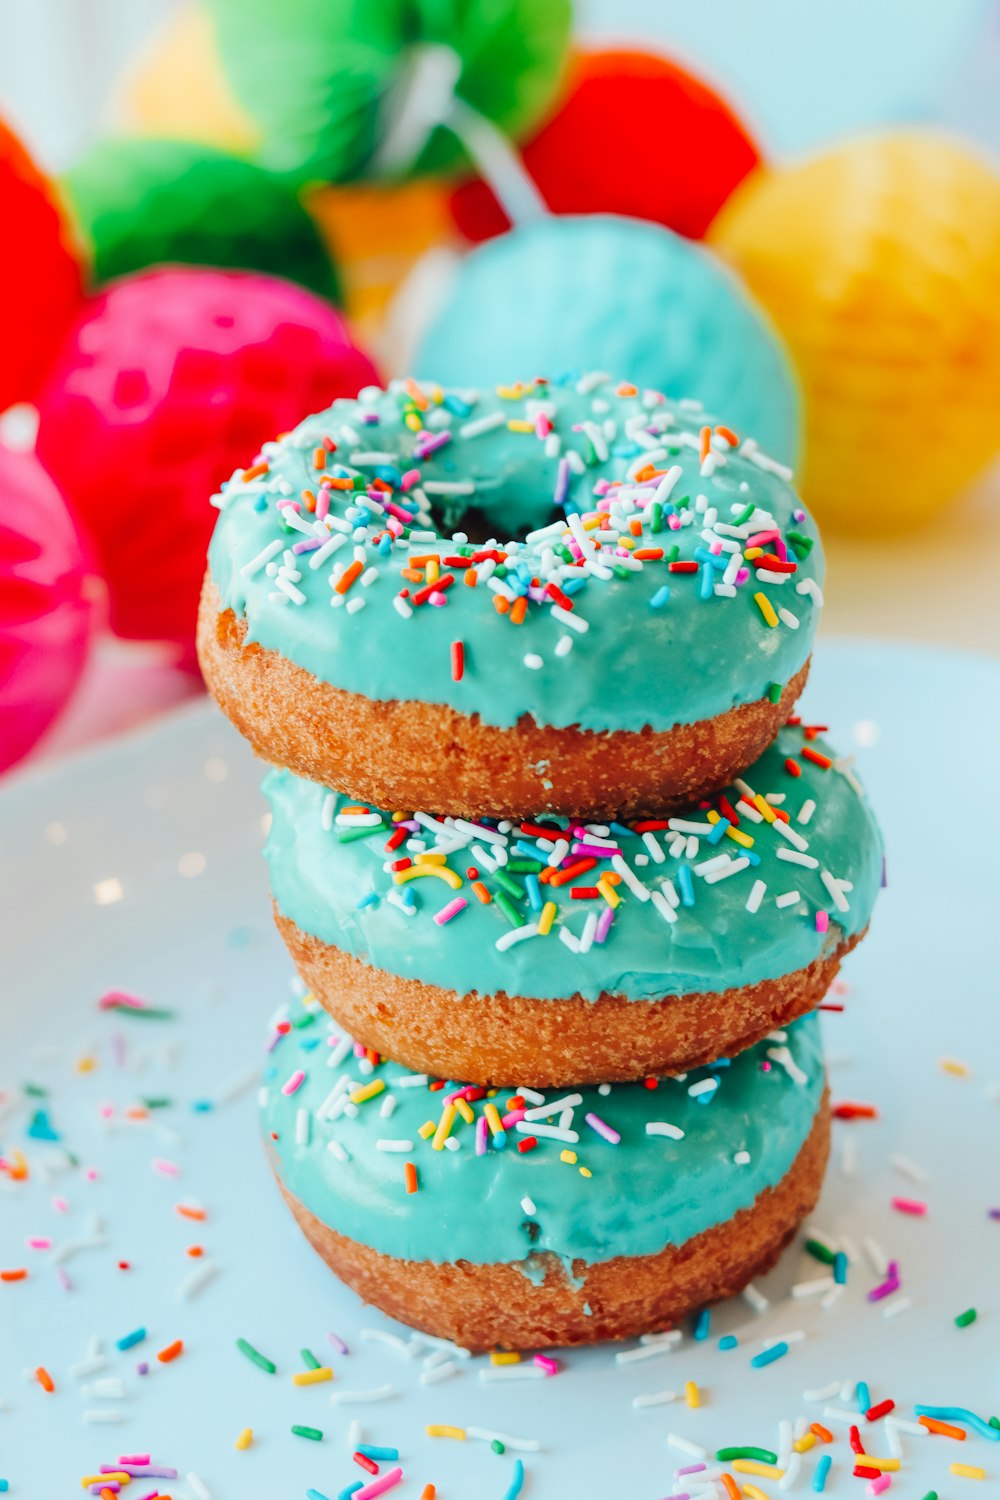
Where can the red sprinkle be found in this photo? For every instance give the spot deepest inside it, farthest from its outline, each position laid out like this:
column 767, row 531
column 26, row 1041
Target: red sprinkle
column 682, row 567
column 818, row 759
column 365, row 1462
column 527, row 1144
column 881, row 1410
column 849, row 1111
column 457, row 661
column 855, row 1440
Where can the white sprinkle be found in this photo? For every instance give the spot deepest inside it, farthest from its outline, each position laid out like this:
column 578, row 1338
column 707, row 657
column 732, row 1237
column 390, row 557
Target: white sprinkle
column 112, row 1389
column 833, row 1295
column 814, row 1288
column 756, row 896
column 684, row 1446
column 791, row 1473
column 302, row 1122
column 849, row 1156
column 822, row 1393
column 806, row 811
column 533, row 661
column 330, row 546
column 517, row 935
column 811, row 587
column 540, row 1111
column 835, row 888
column 836, row 1414
column 439, row 1372
column 401, row 606
column 893, row 1307
column 732, row 867
column 547, row 1132
column 755, row 1298
column 103, row 1416
column 706, row 1086
column 912, row 1429
column 570, row 619
column 741, row 1159
column 528, row 1204
column 200, row 1490
column 645, row 1351
column 197, row 1281
column 393, row 1145
column 785, row 615
column 339, row 1152
column 655, row 1398
column 788, row 898
column 88, row 1367
column 793, row 857
column 795, row 838
column 479, row 425
column 663, row 1127
column 907, row 1167
column 630, row 878
column 263, row 557
column 515, row 1444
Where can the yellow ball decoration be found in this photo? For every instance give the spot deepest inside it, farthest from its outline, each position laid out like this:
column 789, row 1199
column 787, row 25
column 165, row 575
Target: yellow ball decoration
column 879, row 262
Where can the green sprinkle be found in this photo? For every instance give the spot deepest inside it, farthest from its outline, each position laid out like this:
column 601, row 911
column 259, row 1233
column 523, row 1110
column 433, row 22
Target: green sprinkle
column 307, row 1018
column 351, row 835
column 931, row 1495
column 745, row 514
column 589, row 454
column 501, row 570
column 684, row 500
column 254, row 1355
column 773, row 695
column 514, row 888
column 497, row 1446
column 309, row 1359
column 620, row 570
column 314, row 1434
column 143, row 1012
column 523, row 866
column 762, row 1455
column 965, row 1318
column 801, row 545
column 35, row 1091
column 656, row 516
column 509, row 910
column 819, row 1252
column 671, row 554
column 995, row 1421
column 158, row 1103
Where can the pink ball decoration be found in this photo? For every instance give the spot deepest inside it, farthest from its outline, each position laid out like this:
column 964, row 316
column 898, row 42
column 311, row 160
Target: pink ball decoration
column 47, row 593
column 169, row 381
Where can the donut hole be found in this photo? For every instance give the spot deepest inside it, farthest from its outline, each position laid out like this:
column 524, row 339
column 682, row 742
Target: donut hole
column 482, row 526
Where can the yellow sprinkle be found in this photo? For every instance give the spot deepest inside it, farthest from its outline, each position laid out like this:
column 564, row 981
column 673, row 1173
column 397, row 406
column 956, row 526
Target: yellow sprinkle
column 427, row 1129
column 546, row 919
column 245, row 1439
column 569, row 1157
column 753, row 1493
column 609, row 893
column 966, row 1471
column 751, row 1466
column 313, row 1377
column 89, row 1479
column 752, row 552
column 766, row 608
column 692, row 1395
column 957, row 1069
column 493, row 1119
column 764, row 808
column 439, row 1431
column 444, row 1125
column 465, row 1110
column 586, row 1172
column 503, row 1357
column 805, row 1442
column 627, row 541
column 450, row 877
column 86, row 1065
column 432, row 572
column 511, row 392
column 431, row 858
column 890, row 1464
column 592, row 523
column 413, row 422
column 518, row 424
column 367, row 1091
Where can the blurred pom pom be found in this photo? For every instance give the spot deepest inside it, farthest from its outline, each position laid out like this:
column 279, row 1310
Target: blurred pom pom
column 633, row 134
column 580, row 293
column 879, row 261
column 345, row 90
column 39, row 272
column 168, row 381
column 140, row 202
column 47, row 603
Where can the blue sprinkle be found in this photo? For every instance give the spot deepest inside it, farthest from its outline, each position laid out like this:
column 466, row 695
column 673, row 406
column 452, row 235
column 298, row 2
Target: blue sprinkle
column 722, row 1062
column 750, row 855
column 371, row 899
column 130, row 1340
column 728, row 1341
column 514, row 1488
column 660, row 598
column 534, row 892
column 202, row 1106
column 621, row 832
column 960, row 1414
column 821, row 1471
column 864, row 1397
column 385, row 545
column 4, row 1486
column 309, row 1044
column 530, row 851
column 573, row 586
column 260, row 504
column 768, row 1356
column 390, row 474
column 460, row 408
column 840, row 1270
column 713, row 559
column 499, row 1142
column 344, row 1494
column 701, row 1324
column 718, row 832
column 41, row 1127
column 377, row 1453
column 686, row 884
column 707, row 586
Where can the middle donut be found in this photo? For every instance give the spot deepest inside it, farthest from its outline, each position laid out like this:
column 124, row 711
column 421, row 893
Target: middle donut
column 552, row 952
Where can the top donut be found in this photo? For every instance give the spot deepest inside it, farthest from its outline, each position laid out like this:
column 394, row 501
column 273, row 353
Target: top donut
column 571, row 596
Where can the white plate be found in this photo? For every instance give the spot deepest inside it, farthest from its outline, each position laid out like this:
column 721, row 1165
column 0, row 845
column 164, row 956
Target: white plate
column 138, row 868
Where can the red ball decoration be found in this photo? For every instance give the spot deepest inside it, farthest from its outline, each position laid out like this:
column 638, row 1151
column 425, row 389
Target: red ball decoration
column 40, row 279
column 47, row 593
column 635, row 135
column 168, row 382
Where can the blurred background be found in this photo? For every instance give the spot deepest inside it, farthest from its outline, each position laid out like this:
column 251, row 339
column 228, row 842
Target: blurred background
column 217, row 215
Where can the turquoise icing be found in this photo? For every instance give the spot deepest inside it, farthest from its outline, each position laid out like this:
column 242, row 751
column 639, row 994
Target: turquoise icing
column 645, row 1193
column 660, row 648
column 343, row 892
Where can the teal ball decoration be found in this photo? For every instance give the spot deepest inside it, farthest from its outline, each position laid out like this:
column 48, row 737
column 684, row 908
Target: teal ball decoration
column 575, row 293
column 140, row 202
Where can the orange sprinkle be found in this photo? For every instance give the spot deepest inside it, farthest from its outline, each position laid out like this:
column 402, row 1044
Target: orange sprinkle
column 45, row 1379
column 818, row 759
column 648, row 554
column 728, row 435
column 412, row 575
column 19, row 1275
column 319, row 458
column 410, row 1177
column 195, row 1251
column 17, row 1167
column 518, row 610
column 635, row 526
column 704, row 449
column 792, row 767
column 348, row 577
column 482, row 892
column 625, row 389
column 470, row 577
column 339, row 484
column 823, row 1433
column 428, row 1492
column 943, row 1429
column 255, row 471
column 415, row 394
column 171, row 1352
column 730, row 1486
column 186, row 1211
column 501, row 604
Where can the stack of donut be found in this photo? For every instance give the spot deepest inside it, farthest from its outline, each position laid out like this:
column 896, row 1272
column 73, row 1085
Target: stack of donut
column 562, row 870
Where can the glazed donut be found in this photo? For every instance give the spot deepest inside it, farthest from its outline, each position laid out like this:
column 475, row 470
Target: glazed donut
column 558, row 953
column 622, row 623
column 608, row 1212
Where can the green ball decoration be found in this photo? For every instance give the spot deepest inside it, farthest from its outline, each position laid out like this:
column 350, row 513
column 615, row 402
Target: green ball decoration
column 328, row 82
column 139, row 202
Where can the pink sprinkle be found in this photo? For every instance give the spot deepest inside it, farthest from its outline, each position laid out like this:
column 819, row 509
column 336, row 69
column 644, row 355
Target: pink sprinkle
column 379, row 1486
column 119, row 998
column 135, row 1458
column 64, row 1279
column 550, row 1366
column 289, row 505
column 481, row 1128
column 307, row 544
column 674, row 522
column 294, row 1083
column 909, row 1206
column 399, row 512
column 91, row 1174
column 543, row 425
column 876, row 1486
column 761, row 537
column 603, row 1128
column 60, row 1205
column 164, row 1167
column 323, row 503
column 822, row 921
column 604, row 922
column 409, row 479
column 106, row 1111
column 512, row 1118
column 39, row 1243
column 451, row 909
column 437, row 599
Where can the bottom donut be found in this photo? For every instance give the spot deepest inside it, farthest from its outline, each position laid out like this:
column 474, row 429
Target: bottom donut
column 601, row 1214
